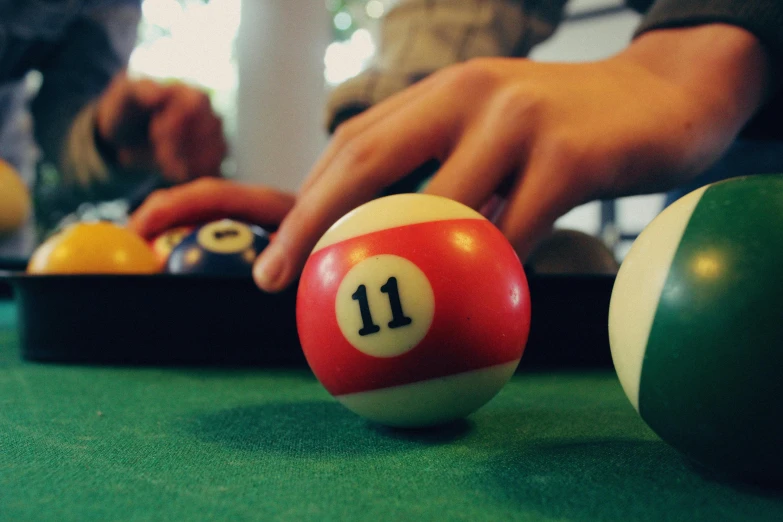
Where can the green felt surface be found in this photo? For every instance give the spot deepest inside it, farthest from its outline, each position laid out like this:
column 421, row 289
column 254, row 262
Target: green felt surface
column 92, row 443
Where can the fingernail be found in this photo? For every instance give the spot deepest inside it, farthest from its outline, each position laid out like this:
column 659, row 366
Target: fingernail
column 269, row 268
column 493, row 208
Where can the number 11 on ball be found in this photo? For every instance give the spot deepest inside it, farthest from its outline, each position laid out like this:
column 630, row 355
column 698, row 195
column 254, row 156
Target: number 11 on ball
column 413, row 310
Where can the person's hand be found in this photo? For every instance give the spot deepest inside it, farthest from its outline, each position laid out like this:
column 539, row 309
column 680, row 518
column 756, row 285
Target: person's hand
column 169, row 128
column 548, row 136
column 209, row 199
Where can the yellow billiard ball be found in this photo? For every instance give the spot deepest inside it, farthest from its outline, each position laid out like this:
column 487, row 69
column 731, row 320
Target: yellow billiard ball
column 94, row 248
column 14, row 200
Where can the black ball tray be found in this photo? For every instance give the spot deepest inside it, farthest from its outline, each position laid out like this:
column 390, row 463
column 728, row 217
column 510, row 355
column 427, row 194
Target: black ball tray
column 164, row 319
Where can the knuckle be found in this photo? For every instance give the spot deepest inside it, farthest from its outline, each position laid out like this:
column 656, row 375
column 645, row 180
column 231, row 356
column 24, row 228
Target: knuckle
column 359, row 153
column 196, row 101
column 565, row 147
column 519, row 104
column 343, row 134
column 569, row 153
column 575, row 160
column 208, row 185
column 475, row 75
column 157, row 198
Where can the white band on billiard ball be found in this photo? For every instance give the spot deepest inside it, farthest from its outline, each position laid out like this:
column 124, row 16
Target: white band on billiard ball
column 385, row 213
column 632, row 310
column 431, row 402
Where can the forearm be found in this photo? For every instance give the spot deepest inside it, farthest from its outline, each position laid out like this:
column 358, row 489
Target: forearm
column 725, row 66
column 762, row 18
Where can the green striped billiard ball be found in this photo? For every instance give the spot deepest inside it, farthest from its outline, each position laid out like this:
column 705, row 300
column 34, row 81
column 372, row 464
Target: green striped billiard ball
column 696, row 326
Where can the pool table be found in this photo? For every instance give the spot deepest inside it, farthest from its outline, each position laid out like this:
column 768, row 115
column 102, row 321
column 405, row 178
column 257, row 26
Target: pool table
column 110, row 442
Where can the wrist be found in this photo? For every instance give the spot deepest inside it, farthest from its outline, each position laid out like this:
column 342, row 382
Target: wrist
column 722, row 66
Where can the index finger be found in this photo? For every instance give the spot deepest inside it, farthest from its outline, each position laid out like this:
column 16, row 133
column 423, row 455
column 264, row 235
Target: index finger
column 357, row 172
column 208, row 199
column 148, row 94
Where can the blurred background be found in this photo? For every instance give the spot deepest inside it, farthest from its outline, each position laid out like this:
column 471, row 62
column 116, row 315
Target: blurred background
column 268, row 65
column 276, row 60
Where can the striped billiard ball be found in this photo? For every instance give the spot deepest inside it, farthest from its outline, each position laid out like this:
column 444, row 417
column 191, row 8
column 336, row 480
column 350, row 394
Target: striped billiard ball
column 225, row 247
column 165, row 243
column 696, row 326
column 413, row 310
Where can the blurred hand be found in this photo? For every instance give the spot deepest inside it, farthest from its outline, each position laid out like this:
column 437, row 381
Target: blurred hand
column 546, row 137
column 209, row 199
column 549, row 136
column 169, row 128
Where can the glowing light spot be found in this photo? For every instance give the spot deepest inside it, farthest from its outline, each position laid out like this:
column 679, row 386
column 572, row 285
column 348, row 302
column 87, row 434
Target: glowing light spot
column 344, row 60
column 463, row 241
column 516, row 295
column 673, row 292
column 193, row 256
column 375, row 9
column 121, row 257
column 361, row 40
column 194, row 43
column 358, row 255
column 327, row 271
column 707, row 266
column 342, row 20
